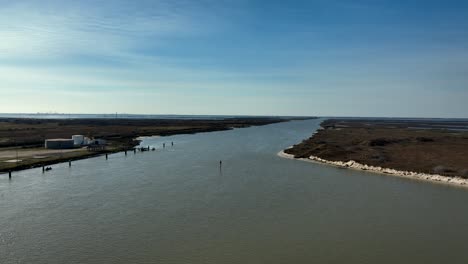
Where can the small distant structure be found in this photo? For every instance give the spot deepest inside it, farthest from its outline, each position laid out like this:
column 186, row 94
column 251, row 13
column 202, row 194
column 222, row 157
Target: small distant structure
column 59, row 143
column 99, row 141
column 87, row 141
column 93, row 141
column 78, row 140
column 96, row 144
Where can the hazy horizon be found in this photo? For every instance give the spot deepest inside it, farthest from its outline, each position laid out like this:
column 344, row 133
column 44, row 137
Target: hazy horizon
column 304, row 58
column 112, row 115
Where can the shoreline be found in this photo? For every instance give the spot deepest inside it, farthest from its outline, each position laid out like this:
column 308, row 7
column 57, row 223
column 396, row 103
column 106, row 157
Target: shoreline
column 62, row 160
column 433, row 178
column 126, row 140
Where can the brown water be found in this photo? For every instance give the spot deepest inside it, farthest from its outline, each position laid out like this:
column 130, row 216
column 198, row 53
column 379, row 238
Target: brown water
column 174, row 205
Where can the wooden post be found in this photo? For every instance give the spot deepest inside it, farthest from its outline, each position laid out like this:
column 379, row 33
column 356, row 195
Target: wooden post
column 69, row 163
column 9, row 175
column 125, row 153
column 43, row 169
column 106, row 156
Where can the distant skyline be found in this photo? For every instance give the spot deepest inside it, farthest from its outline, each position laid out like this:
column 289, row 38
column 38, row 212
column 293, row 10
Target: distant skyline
column 325, row 57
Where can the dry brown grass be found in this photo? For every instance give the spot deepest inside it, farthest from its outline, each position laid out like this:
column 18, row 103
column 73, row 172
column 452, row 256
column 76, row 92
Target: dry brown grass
column 396, row 146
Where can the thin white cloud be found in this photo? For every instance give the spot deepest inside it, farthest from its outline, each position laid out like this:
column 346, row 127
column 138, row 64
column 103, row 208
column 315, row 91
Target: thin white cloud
column 42, row 29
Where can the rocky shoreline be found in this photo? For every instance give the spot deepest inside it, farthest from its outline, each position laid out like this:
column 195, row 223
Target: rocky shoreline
column 435, row 178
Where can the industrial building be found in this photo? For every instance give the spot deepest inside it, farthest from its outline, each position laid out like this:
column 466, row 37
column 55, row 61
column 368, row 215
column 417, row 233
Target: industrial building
column 75, row 141
column 59, row 143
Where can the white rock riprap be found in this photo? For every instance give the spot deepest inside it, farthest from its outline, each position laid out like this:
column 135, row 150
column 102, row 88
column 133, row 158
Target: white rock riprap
column 458, row 181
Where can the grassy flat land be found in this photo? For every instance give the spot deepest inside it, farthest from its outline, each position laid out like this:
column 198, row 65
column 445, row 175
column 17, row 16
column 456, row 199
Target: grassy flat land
column 411, row 145
column 26, row 136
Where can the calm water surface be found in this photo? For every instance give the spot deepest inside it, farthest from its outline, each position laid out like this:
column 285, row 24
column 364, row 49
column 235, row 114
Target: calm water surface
column 175, row 205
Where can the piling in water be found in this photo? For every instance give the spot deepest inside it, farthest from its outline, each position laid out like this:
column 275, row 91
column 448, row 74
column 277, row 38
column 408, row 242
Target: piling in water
column 69, row 163
column 9, row 175
column 125, row 153
column 106, row 157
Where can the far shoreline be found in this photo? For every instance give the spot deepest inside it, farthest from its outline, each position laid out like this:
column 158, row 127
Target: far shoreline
column 122, row 135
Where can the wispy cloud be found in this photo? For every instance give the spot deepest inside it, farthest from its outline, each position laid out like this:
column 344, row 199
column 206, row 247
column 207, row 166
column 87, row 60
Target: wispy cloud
column 303, row 57
column 114, row 28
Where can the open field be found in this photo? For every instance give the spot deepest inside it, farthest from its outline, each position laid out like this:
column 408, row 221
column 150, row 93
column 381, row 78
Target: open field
column 10, row 159
column 434, row 147
column 26, row 136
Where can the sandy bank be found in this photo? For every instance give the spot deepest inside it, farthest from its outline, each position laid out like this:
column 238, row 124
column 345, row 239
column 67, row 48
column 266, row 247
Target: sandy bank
column 435, row 178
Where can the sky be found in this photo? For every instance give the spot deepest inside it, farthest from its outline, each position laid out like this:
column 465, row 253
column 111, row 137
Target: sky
column 399, row 58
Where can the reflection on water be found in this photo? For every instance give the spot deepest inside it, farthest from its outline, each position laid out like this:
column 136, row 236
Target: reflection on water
column 176, row 205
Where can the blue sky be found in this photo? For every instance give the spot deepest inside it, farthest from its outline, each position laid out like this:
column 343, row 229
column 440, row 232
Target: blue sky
column 322, row 57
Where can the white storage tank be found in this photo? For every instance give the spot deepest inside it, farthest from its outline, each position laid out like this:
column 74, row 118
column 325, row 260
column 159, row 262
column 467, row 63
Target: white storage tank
column 78, row 140
column 59, row 143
